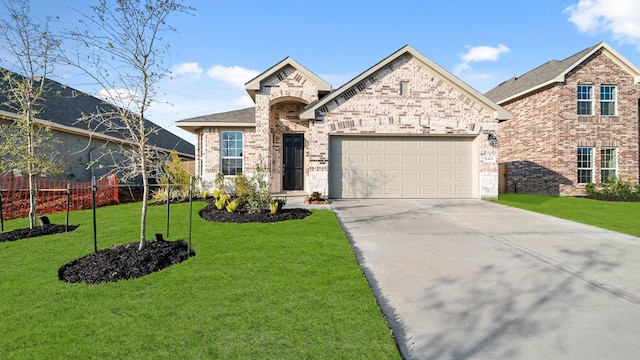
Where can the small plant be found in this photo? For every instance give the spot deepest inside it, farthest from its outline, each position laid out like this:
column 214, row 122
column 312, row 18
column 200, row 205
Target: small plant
column 217, row 193
column 241, row 186
column 205, row 194
column 222, row 201
column 315, row 195
column 258, row 196
column 277, row 204
column 219, row 182
column 232, row 205
column 613, row 188
column 273, row 207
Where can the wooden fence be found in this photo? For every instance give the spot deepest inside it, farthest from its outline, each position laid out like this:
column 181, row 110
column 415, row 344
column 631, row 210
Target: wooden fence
column 52, row 195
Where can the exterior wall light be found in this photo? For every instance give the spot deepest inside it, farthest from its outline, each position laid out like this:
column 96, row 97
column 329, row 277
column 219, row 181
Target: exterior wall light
column 493, row 140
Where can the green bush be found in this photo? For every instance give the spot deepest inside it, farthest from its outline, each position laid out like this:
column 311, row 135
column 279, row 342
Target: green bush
column 221, row 203
column 232, row 205
column 613, row 188
column 174, row 173
column 258, row 197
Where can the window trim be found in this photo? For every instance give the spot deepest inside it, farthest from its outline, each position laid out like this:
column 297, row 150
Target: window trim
column 602, row 162
column 589, row 100
column 581, row 161
column 614, row 100
column 229, row 157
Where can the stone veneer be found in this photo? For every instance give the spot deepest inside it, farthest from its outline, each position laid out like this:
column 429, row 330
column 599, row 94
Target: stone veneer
column 539, row 144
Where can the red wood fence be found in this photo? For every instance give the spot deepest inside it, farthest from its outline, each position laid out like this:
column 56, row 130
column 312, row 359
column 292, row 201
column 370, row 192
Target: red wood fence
column 52, row 195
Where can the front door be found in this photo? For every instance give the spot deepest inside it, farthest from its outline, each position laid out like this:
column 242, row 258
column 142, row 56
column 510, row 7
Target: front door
column 293, row 162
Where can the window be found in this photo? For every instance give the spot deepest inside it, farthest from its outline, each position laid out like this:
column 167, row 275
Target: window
column 608, row 163
column 585, row 99
column 404, row 88
column 231, row 148
column 585, row 165
column 607, row 100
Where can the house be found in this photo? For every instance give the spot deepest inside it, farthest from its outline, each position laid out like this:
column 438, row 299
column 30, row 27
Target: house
column 573, row 122
column 80, row 145
column 404, row 128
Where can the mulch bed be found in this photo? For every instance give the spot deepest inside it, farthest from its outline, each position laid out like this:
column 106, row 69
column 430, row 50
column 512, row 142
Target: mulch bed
column 211, row 213
column 36, row 231
column 123, row 262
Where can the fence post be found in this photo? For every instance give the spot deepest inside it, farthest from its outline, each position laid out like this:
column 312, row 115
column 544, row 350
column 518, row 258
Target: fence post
column 66, row 226
column 1, row 211
column 190, row 214
column 168, row 202
column 93, row 196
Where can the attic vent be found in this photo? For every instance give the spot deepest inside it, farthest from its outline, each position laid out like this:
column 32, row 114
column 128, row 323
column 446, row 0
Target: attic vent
column 372, row 79
column 298, row 77
column 349, row 94
column 361, row 87
column 324, row 109
column 281, row 76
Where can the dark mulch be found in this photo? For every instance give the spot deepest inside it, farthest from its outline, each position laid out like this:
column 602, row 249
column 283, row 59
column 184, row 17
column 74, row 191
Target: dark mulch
column 123, row 262
column 211, row 213
column 36, row 231
column 614, row 198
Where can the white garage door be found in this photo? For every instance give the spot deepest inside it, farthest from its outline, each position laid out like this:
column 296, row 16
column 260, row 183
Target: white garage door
column 400, row 167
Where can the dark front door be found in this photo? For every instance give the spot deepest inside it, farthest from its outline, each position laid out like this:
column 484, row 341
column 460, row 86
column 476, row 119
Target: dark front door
column 293, row 162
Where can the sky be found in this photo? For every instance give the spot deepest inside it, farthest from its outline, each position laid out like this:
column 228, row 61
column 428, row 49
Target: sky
column 224, row 44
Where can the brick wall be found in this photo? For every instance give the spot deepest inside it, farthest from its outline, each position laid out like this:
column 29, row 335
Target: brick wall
column 539, row 144
column 433, row 106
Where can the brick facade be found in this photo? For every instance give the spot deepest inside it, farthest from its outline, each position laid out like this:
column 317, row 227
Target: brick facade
column 539, row 144
column 432, row 105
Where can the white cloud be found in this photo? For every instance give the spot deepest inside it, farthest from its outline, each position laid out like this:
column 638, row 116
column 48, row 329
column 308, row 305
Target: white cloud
column 190, row 70
column 619, row 17
column 479, row 53
column 244, row 101
column 234, row 75
column 122, row 98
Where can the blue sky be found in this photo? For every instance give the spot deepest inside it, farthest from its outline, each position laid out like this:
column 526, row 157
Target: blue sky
column 226, row 43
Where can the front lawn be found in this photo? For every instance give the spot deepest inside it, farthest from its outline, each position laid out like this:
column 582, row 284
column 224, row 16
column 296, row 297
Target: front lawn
column 286, row 290
column 623, row 217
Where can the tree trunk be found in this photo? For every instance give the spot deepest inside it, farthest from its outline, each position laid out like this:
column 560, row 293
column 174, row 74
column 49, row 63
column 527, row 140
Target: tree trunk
column 145, row 200
column 32, row 201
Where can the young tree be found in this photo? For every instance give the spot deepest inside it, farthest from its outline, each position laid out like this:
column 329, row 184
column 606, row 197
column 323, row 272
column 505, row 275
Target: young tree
column 29, row 50
column 120, row 46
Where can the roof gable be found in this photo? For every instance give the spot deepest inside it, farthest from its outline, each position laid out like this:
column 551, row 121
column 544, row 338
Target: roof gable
column 554, row 72
column 253, row 85
column 235, row 118
column 499, row 112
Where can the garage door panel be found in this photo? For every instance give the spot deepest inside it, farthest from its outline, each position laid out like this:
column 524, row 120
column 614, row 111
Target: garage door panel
column 400, row 167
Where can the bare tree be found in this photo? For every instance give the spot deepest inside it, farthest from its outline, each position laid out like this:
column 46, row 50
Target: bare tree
column 29, row 50
column 120, row 46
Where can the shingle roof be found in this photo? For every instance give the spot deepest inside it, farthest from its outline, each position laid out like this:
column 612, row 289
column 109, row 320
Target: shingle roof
column 548, row 73
column 247, row 115
column 65, row 105
column 240, row 118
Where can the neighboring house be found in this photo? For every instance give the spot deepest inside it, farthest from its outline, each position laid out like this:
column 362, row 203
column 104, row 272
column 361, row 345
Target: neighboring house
column 405, row 128
column 574, row 122
column 62, row 108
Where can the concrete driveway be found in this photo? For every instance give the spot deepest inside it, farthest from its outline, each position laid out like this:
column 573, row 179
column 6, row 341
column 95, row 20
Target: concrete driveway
column 468, row 279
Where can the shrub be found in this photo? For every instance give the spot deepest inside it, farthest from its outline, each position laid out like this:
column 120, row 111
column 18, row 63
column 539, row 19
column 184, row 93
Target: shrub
column 174, row 173
column 258, row 197
column 613, row 188
column 232, row 205
column 218, row 183
column 222, row 201
column 276, row 205
column 241, row 186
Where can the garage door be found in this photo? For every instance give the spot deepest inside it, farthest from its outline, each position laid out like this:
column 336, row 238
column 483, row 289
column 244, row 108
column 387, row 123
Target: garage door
column 400, row 167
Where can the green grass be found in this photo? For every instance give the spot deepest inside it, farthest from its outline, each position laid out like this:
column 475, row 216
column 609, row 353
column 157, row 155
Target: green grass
column 622, row 217
column 288, row 290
